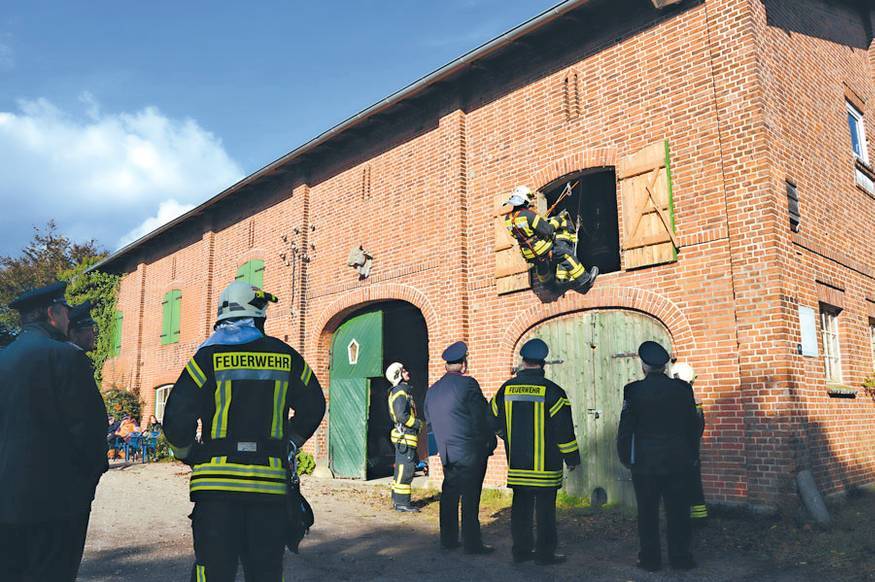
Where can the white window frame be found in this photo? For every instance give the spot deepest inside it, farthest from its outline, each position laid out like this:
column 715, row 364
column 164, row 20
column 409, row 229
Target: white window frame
column 162, row 393
column 829, row 333
column 863, row 156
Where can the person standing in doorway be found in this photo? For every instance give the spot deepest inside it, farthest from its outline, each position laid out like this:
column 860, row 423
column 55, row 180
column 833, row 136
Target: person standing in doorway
column 47, row 489
column 459, row 417
column 657, row 440
column 404, row 435
column 533, row 416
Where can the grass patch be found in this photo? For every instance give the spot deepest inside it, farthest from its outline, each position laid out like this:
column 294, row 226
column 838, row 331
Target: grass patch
column 495, row 499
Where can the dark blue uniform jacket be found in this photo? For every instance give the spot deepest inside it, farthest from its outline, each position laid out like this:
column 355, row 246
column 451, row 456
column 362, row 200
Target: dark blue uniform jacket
column 460, row 419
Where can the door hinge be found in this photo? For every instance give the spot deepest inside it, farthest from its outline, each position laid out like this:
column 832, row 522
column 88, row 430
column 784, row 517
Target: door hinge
column 625, row 355
column 548, row 362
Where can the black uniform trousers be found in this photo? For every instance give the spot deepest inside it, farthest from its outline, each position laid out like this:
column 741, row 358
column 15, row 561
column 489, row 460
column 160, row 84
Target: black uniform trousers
column 529, row 502
column 673, row 489
column 405, row 466
column 39, row 552
column 226, row 531
column 465, row 482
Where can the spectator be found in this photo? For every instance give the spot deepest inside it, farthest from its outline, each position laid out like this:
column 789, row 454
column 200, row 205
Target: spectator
column 154, row 425
column 127, row 426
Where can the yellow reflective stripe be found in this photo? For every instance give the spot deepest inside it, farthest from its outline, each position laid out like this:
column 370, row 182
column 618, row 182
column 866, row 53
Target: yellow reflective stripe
column 402, row 489
column 275, row 462
column 400, row 474
column 234, row 470
column 508, row 419
column 223, row 403
column 306, row 374
column 201, row 573
column 533, row 474
column 558, row 406
column 240, row 486
column 411, row 420
column 195, row 372
column 279, row 406
column 392, row 398
column 536, row 221
column 494, row 407
column 568, row 447
column 535, row 483
column 539, row 435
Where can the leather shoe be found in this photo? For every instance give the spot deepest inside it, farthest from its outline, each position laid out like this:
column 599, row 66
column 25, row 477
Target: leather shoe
column 407, row 508
column 649, row 566
column 550, row 560
column 687, row 564
column 482, row 549
column 524, row 557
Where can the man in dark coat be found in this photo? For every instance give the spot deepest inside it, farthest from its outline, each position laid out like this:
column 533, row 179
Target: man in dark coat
column 460, row 419
column 48, row 476
column 657, row 438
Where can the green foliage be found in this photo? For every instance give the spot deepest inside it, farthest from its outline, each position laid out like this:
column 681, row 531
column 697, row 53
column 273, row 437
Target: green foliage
column 121, row 402
column 162, row 448
column 565, row 500
column 40, row 262
column 102, row 290
column 306, row 463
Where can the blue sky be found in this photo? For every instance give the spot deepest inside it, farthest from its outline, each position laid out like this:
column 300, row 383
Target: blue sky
column 118, row 116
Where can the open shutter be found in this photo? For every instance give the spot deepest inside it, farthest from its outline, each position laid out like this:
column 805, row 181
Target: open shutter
column 243, row 272
column 166, row 317
column 648, row 207
column 256, row 273
column 175, row 315
column 511, row 269
column 117, row 333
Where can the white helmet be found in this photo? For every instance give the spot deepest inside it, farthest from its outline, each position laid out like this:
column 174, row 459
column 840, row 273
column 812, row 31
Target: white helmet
column 521, row 195
column 683, row 372
column 393, row 373
column 240, row 299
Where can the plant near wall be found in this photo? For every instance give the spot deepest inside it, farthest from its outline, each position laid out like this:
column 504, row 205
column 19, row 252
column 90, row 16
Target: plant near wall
column 121, row 402
column 102, row 290
column 869, row 385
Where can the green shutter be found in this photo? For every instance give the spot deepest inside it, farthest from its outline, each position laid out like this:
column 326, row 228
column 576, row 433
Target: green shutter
column 171, row 317
column 252, row 272
column 177, row 308
column 117, row 333
column 166, row 316
column 243, row 273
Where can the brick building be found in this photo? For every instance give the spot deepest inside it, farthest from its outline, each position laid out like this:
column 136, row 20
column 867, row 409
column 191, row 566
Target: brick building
column 723, row 186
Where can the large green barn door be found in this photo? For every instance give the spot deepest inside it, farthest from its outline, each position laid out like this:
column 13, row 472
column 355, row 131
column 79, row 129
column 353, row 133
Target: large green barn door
column 593, row 355
column 356, row 356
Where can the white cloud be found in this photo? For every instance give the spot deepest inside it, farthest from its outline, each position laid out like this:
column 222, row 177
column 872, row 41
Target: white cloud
column 99, row 174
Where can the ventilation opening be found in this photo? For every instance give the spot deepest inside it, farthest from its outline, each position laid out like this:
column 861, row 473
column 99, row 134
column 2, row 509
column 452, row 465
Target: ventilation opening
column 599, row 497
column 593, row 207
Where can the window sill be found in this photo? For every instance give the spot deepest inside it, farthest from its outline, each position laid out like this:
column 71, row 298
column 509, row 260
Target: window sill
column 840, row 391
column 864, row 177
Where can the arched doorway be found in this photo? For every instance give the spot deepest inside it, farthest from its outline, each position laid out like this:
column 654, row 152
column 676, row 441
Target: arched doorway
column 593, row 355
column 361, row 348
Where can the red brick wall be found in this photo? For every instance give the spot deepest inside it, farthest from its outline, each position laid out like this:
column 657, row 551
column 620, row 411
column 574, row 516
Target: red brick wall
column 419, row 196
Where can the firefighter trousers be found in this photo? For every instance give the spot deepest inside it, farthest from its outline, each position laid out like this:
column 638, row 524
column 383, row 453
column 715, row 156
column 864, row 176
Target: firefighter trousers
column 529, row 503
column 36, row 552
column 405, row 465
column 228, row 531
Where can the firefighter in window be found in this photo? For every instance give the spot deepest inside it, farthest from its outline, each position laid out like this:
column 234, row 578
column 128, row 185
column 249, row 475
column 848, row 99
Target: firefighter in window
column 550, row 244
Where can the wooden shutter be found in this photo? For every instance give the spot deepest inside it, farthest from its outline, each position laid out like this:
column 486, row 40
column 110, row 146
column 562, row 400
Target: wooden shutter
column 175, row 316
column 117, row 333
column 256, row 273
column 511, row 269
column 166, row 317
column 243, row 272
column 648, row 207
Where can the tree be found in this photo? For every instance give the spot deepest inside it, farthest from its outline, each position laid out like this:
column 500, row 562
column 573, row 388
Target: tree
column 43, row 260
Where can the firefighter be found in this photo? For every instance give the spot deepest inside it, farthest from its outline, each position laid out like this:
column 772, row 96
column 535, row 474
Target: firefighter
column 657, row 439
column 533, row 416
column 404, row 435
column 698, row 508
column 48, row 476
column 241, row 385
column 569, row 272
column 533, row 232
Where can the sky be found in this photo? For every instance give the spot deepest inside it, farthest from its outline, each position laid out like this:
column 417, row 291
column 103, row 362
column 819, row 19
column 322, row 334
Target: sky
column 116, row 117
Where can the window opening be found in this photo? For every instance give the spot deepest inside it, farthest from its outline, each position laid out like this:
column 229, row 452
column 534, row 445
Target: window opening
column 793, row 206
column 162, row 393
column 829, row 329
column 858, row 133
column 593, row 208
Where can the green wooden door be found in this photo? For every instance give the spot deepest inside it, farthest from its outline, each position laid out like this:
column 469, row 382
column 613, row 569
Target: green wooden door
column 356, row 356
column 593, row 355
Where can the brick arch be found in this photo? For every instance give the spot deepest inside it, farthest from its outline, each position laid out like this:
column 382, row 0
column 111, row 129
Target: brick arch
column 643, row 300
column 583, row 160
column 333, row 315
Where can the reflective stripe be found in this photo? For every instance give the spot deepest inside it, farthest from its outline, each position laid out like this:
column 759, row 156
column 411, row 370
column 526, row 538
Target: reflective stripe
column 234, row 470
column 403, row 438
column 275, row 462
column 539, row 436
column 568, row 447
column 223, row 403
column 494, row 407
column 392, row 398
column 228, row 375
column 555, row 482
column 196, row 373
column 523, row 398
column 533, row 474
column 200, row 572
column 508, row 419
column 240, row 486
column 558, row 406
column 306, row 374
column 279, row 407
column 698, row 511
column 411, row 420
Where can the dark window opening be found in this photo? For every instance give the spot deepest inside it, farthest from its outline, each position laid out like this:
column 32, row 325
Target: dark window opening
column 593, row 207
column 793, row 206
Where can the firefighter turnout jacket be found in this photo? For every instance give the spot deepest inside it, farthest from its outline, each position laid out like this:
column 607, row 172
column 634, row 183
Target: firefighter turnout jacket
column 534, row 234
column 402, row 409
column 242, row 394
column 533, row 416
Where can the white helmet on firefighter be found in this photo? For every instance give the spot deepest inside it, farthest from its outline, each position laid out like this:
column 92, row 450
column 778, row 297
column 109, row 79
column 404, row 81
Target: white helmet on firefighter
column 683, row 372
column 520, row 196
column 240, row 299
column 393, row 373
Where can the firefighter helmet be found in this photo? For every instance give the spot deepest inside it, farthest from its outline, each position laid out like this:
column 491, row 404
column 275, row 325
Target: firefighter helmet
column 521, row 196
column 240, row 299
column 393, row 373
column 683, row 371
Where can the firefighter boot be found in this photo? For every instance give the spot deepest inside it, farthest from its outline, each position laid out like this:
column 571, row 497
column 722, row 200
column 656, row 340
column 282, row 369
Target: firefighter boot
column 586, row 282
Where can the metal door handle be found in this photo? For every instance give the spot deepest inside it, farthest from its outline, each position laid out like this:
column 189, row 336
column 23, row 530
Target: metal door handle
column 595, row 412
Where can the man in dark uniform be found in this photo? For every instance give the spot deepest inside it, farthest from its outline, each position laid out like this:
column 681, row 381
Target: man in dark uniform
column 83, row 329
column 459, row 417
column 533, row 416
column 657, row 439
column 47, row 489
column 241, row 384
column 405, row 435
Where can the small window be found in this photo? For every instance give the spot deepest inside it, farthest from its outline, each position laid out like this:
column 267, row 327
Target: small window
column 829, row 331
column 161, row 395
column 118, row 319
column 170, row 317
column 252, row 272
column 793, row 206
column 858, row 133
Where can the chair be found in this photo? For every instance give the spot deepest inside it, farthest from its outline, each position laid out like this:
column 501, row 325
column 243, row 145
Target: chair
column 133, row 445
column 149, row 445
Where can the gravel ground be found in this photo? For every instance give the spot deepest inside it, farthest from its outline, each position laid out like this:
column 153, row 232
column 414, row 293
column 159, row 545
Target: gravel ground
column 139, row 531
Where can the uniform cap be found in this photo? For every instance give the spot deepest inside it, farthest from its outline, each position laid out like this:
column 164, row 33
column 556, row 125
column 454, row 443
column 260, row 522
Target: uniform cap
column 80, row 316
column 455, row 353
column 653, row 354
column 40, row 297
column 535, row 350
column 393, row 373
